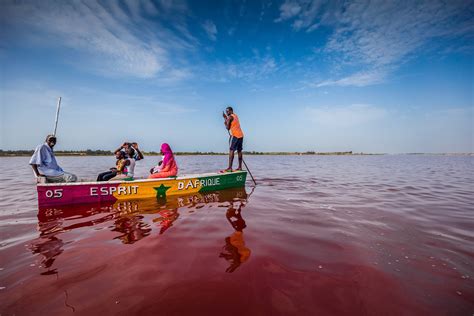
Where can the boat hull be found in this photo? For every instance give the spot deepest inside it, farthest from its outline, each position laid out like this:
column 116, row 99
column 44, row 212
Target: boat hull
column 92, row 192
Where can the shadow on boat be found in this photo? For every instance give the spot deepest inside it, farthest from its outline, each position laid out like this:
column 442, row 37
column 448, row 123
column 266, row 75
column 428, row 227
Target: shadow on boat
column 127, row 218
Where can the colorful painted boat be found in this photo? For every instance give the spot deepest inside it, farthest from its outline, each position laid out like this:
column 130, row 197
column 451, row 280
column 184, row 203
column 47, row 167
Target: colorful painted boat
column 88, row 213
column 52, row 194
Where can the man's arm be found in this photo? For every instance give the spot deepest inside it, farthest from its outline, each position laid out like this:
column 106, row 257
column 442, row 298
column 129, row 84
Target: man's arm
column 120, row 148
column 140, row 155
column 35, row 169
column 36, row 160
column 228, row 121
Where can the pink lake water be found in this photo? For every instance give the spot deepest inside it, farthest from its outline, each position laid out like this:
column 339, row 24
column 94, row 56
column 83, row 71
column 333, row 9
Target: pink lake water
column 318, row 235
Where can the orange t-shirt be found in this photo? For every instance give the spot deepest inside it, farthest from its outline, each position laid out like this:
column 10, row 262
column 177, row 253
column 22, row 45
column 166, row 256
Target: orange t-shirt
column 235, row 129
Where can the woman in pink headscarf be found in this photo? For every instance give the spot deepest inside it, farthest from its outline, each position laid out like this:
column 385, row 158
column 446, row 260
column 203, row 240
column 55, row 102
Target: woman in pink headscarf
column 167, row 167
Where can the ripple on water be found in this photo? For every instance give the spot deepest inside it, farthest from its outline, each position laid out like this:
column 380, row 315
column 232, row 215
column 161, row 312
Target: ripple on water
column 331, row 234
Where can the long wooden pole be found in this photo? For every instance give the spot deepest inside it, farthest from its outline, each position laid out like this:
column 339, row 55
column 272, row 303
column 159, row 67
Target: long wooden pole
column 249, row 171
column 57, row 116
column 246, row 167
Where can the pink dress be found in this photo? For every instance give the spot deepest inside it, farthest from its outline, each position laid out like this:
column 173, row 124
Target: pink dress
column 169, row 168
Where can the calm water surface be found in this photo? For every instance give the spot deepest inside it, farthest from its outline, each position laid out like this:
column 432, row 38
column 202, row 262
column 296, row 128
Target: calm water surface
column 361, row 235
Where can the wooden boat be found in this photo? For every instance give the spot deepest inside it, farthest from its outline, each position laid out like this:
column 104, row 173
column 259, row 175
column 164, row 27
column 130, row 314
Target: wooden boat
column 53, row 194
column 83, row 212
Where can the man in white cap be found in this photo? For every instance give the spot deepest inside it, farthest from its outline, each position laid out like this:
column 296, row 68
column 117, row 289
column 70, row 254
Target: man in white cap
column 44, row 163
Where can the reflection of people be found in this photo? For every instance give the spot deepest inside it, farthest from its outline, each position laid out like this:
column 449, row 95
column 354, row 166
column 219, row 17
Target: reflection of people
column 44, row 163
column 166, row 219
column 237, row 137
column 235, row 250
column 132, row 227
column 50, row 248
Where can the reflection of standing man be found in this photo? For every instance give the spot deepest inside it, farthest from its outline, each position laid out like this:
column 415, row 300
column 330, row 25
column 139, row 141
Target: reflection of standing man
column 234, row 216
column 234, row 250
column 237, row 137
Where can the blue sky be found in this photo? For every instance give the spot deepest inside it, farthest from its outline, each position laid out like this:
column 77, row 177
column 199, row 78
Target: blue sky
column 366, row 76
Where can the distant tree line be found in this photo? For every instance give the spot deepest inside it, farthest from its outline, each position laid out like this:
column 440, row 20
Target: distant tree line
column 90, row 152
column 87, row 152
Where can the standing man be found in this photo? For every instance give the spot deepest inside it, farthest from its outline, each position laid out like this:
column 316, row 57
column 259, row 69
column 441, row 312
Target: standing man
column 231, row 122
column 44, row 163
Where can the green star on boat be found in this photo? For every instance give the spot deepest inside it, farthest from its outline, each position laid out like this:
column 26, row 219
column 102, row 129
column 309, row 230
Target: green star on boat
column 161, row 191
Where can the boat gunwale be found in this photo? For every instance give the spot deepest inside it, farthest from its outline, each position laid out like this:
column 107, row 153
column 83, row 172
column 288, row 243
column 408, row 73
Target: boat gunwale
column 184, row 177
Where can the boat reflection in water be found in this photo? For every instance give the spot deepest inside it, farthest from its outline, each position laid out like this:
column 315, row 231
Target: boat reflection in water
column 134, row 220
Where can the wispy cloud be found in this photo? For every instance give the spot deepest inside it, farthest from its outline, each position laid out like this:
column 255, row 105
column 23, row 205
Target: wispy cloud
column 345, row 116
column 210, row 29
column 145, row 105
column 115, row 38
column 288, row 10
column 359, row 79
column 250, row 69
column 376, row 36
column 84, row 109
column 31, row 94
column 373, row 128
column 304, row 12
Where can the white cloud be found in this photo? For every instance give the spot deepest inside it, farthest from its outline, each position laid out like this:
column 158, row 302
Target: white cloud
column 175, row 75
column 27, row 112
column 150, row 8
column 211, row 29
column 360, row 79
column 251, row 69
column 345, row 116
column 30, row 94
column 114, row 39
column 383, row 33
column 288, row 10
column 304, row 11
column 370, row 128
column 377, row 36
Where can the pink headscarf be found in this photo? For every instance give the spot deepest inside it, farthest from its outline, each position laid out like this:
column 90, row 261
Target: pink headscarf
column 167, row 152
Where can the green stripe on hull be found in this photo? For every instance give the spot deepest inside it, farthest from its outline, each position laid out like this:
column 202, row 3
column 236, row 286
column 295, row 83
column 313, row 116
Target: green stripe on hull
column 227, row 180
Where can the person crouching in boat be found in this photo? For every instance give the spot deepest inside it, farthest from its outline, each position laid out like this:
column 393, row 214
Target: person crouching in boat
column 167, row 167
column 129, row 166
column 120, row 165
column 45, row 166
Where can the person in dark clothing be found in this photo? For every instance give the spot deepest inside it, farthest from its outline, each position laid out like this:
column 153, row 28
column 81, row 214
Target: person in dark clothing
column 120, row 166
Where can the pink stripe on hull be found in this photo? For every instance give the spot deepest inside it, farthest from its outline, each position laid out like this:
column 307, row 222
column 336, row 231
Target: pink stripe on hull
column 71, row 194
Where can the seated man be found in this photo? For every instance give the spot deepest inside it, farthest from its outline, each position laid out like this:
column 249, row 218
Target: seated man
column 44, row 163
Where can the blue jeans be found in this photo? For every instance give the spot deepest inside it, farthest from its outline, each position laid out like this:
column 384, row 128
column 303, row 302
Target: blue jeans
column 106, row 176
